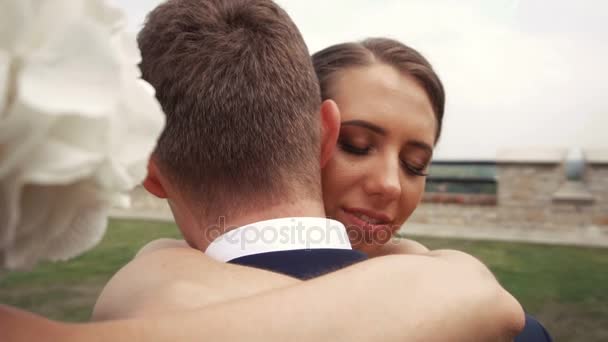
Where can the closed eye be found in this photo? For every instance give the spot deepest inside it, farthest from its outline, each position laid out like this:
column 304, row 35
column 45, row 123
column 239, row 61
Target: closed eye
column 414, row 170
column 354, row 149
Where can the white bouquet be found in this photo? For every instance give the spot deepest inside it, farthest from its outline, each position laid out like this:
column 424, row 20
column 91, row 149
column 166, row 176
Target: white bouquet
column 77, row 125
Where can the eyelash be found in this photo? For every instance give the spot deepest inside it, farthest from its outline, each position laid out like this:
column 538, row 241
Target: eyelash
column 416, row 171
column 355, row 150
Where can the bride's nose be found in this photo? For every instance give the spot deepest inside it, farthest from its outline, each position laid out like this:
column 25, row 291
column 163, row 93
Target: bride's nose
column 384, row 180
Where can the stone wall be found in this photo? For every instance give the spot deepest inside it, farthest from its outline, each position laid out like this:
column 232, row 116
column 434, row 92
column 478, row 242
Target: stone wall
column 526, row 198
column 455, row 214
column 597, row 177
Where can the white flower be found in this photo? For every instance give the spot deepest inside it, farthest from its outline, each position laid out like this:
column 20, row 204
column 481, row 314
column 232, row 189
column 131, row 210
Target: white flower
column 77, row 125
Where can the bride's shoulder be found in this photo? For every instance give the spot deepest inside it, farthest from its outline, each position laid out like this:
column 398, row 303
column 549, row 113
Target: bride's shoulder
column 401, row 246
column 159, row 244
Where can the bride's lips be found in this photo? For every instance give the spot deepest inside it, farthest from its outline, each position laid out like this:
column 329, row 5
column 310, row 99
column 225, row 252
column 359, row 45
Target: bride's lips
column 352, row 217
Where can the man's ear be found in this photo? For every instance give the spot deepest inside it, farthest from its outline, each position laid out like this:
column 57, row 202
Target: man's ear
column 330, row 122
column 153, row 183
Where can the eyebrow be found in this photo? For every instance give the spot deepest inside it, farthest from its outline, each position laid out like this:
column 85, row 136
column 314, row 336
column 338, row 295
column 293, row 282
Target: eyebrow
column 382, row 131
column 365, row 124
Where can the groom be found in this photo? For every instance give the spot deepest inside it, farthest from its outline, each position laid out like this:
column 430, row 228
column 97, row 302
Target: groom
column 245, row 140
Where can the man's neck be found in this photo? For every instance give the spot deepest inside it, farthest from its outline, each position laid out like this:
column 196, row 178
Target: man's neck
column 224, row 224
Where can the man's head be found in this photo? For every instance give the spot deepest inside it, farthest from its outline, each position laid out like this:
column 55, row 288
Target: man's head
column 242, row 101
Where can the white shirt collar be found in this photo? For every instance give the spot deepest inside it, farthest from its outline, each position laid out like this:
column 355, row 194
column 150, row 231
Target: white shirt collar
column 283, row 234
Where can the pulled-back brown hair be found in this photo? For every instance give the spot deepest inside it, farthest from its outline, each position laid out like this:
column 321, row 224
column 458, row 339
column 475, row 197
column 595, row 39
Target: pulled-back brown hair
column 236, row 82
column 333, row 59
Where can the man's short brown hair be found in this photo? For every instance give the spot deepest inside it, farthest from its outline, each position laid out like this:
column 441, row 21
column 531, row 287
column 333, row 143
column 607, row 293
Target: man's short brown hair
column 236, row 82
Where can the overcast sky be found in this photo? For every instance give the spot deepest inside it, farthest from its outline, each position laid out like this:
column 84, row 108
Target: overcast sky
column 524, row 74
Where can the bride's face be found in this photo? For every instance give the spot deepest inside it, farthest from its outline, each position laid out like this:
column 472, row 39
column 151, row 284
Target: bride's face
column 376, row 177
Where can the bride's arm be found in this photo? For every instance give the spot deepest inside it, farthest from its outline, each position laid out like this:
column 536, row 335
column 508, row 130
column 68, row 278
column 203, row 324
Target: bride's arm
column 162, row 280
column 399, row 246
column 395, row 298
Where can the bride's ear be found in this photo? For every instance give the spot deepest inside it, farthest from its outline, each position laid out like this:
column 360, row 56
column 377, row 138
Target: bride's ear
column 330, row 121
column 152, row 182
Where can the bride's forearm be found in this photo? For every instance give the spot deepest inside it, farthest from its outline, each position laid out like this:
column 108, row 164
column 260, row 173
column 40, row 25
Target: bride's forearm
column 388, row 299
column 397, row 298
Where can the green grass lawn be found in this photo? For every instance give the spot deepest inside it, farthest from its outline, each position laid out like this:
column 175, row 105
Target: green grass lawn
column 565, row 287
column 68, row 290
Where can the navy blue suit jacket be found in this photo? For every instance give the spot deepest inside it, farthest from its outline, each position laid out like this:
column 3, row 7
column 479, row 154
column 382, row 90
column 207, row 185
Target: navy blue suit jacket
column 302, row 263
column 533, row 331
column 310, row 263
